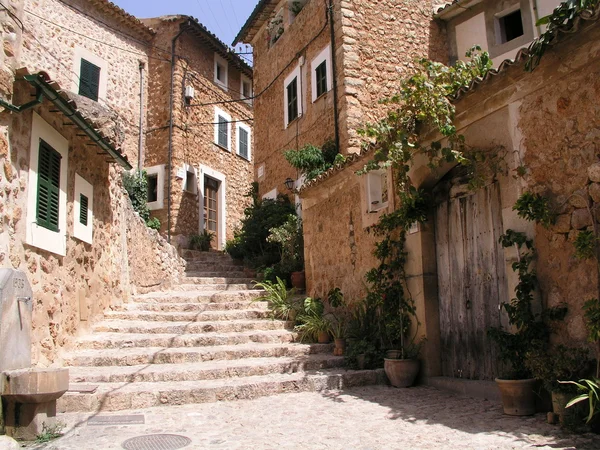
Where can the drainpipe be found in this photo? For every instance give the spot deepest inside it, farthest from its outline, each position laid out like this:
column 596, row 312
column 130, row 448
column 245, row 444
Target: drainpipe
column 536, row 17
column 334, row 77
column 141, row 127
column 169, row 176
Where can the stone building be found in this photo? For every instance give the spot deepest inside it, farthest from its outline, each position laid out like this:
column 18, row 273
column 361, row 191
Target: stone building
column 546, row 121
column 73, row 90
column 209, row 146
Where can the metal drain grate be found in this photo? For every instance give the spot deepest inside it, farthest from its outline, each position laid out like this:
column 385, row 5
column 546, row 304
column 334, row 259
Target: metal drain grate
column 157, row 442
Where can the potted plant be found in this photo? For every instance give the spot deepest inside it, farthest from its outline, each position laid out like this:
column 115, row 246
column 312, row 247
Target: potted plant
column 296, row 6
column 291, row 246
column 314, row 326
column 275, row 29
column 202, row 241
column 529, row 331
column 339, row 319
column 280, row 298
column 560, row 363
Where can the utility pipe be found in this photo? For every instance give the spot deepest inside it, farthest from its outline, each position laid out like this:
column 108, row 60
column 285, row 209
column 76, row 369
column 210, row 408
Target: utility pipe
column 141, row 126
column 172, row 99
column 334, row 77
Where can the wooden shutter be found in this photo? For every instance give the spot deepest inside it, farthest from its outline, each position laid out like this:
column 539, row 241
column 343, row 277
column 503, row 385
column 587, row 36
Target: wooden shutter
column 292, row 93
column 48, row 191
column 89, row 80
column 83, row 210
column 243, row 150
column 321, row 78
column 223, row 135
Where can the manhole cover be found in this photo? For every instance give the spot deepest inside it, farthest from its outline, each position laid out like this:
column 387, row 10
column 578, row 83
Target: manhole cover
column 156, row 442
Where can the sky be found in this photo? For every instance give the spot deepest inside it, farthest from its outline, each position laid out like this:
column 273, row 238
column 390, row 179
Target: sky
column 224, row 18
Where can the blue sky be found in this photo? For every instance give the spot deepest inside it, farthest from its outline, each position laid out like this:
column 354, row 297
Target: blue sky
column 223, row 17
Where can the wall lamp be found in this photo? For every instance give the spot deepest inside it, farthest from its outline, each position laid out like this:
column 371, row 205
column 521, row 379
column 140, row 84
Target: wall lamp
column 289, row 183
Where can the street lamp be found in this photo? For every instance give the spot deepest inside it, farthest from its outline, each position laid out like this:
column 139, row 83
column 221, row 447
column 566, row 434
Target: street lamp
column 289, row 183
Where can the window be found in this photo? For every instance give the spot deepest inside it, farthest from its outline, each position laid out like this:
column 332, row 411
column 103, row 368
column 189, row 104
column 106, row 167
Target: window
column 321, row 74
column 190, row 185
column 48, row 188
column 222, row 129
column 271, row 195
column 243, row 141
column 221, row 72
column 510, row 26
column 377, row 190
column 89, row 80
column 84, row 215
column 152, row 187
column 46, row 225
column 156, row 187
column 295, row 7
column 292, row 97
column 246, row 89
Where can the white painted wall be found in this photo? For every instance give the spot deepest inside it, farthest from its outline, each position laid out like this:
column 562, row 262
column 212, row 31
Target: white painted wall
column 469, row 33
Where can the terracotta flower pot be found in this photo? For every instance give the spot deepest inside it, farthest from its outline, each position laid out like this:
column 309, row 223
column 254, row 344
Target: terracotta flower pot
column 340, row 346
column 323, row 337
column 401, row 372
column 361, row 361
column 518, row 397
column 299, row 280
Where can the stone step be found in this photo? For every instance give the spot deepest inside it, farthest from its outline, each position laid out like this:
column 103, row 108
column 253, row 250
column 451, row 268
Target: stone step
column 195, row 307
column 161, row 355
column 195, row 296
column 217, row 281
column 196, row 255
column 205, row 316
column 101, row 341
column 234, row 274
column 122, row 396
column 213, row 287
column 212, row 267
column 207, row 370
column 142, row 327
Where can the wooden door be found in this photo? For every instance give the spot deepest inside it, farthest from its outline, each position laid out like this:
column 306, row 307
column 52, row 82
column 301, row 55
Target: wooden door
column 471, row 277
column 211, row 205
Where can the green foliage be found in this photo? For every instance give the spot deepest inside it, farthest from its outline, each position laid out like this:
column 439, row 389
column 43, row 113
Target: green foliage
column 590, row 392
column 560, row 363
column 563, row 16
column 136, row 185
column 312, row 161
column 338, row 313
column 280, row 298
column 312, row 320
column 202, row 241
column 50, row 432
column 585, row 245
column 591, row 313
column 365, row 350
column 530, row 330
column 250, row 241
column 534, row 207
column 290, row 240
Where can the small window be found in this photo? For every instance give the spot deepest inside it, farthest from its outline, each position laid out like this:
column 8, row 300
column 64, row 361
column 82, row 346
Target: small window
column 152, row 187
column 190, row 181
column 511, row 26
column 321, row 78
column 222, row 126
column 292, row 100
column 243, row 141
column 221, row 72
column 83, row 209
column 48, row 191
column 89, row 80
column 223, row 136
column 377, row 190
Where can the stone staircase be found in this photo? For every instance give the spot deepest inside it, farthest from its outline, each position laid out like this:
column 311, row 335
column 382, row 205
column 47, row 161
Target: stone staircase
column 203, row 341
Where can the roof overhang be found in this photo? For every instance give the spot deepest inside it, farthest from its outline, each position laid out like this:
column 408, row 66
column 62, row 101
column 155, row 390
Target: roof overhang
column 455, row 8
column 261, row 13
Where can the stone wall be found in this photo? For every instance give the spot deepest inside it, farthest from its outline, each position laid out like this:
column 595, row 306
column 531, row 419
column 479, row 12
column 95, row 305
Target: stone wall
column 194, row 132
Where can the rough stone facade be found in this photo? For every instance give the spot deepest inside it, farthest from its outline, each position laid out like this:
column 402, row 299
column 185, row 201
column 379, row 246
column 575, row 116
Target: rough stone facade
column 73, row 290
column 194, row 129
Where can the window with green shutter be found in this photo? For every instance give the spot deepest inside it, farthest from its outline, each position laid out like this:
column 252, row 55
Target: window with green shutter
column 83, row 210
column 321, row 78
column 292, row 100
column 89, row 80
column 48, row 189
column 243, row 149
column 223, row 134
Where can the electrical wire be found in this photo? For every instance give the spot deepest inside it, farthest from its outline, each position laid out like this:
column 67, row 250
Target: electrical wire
column 13, row 16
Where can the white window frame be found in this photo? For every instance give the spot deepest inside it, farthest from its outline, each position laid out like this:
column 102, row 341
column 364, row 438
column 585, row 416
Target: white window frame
column 160, row 186
column 81, row 231
column 499, row 16
column 220, row 112
column 243, row 126
column 287, row 81
column 271, row 195
column 325, row 55
column 223, row 62
column 245, row 79
column 375, row 191
column 222, row 213
column 260, row 171
column 187, row 169
column 82, row 53
column 38, row 236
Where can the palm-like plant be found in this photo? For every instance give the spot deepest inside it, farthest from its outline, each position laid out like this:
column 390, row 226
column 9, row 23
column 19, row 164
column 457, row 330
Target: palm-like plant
column 279, row 297
column 591, row 394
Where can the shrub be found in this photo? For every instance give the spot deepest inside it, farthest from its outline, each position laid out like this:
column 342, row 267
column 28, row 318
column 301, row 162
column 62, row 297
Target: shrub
column 136, row 185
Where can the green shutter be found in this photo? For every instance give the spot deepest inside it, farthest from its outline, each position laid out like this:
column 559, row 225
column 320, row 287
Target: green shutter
column 83, row 210
column 89, row 80
column 292, row 98
column 243, row 150
column 321, row 78
column 48, row 189
column 223, row 138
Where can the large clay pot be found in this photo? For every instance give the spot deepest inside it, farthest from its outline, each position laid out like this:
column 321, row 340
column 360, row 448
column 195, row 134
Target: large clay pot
column 299, row 280
column 518, row 397
column 340, row 346
column 559, row 404
column 323, row 337
column 401, row 372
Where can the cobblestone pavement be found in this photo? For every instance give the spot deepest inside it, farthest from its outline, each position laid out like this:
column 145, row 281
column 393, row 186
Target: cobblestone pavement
column 369, row 418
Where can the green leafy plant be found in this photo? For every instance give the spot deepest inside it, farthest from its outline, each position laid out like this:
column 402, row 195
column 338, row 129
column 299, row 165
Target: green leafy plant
column 289, row 238
column 136, row 185
column 534, row 207
column 312, row 320
column 280, row 298
column 296, row 7
column 338, row 313
column 590, row 392
column 311, row 160
column 559, row 363
column 202, row 241
column 585, row 245
column 591, row 313
column 363, row 354
column 50, row 432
